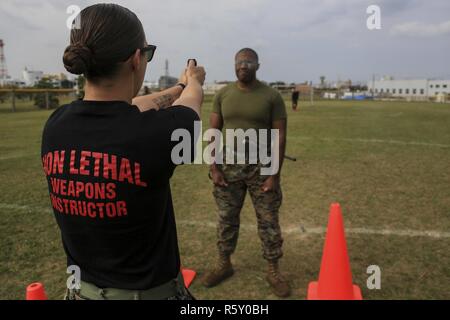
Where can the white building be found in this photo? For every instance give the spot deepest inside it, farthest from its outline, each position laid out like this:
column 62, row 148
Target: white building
column 150, row 84
column 410, row 89
column 11, row 82
column 32, row 77
column 5, row 81
column 329, row 95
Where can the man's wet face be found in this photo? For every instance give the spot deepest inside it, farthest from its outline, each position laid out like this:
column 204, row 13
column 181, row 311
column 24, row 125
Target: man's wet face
column 246, row 65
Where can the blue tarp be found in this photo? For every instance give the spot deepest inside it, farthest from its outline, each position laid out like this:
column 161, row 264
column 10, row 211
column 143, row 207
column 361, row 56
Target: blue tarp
column 356, row 97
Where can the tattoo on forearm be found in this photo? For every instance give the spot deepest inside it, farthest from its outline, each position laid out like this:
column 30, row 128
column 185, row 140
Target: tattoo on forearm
column 164, row 101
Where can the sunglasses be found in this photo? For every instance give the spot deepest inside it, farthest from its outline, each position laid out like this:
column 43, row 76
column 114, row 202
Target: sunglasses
column 246, row 63
column 148, row 50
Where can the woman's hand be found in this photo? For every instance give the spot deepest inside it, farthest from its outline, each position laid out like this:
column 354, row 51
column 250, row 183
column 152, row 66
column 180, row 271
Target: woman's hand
column 192, row 95
column 194, row 73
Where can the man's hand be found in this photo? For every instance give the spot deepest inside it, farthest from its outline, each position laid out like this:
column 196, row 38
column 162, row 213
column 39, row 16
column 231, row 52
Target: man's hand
column 218, row 178
column 271, row 183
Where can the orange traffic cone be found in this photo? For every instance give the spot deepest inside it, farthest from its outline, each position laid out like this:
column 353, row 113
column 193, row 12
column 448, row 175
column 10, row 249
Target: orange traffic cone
column 35, row 291
column 188, row 276
column 335, row 278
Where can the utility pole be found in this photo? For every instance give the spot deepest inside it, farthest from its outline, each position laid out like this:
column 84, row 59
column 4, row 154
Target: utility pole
column 167, row 68
column 3, row 69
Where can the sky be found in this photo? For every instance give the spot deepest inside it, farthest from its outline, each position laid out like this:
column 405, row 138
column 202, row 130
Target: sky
column 297, row 40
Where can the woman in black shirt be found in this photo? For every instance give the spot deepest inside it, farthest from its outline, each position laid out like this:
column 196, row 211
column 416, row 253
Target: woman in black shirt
column 107, row 159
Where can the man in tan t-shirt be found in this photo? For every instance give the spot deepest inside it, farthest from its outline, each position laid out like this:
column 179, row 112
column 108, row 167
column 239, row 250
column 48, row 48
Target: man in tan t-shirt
column 248, row 104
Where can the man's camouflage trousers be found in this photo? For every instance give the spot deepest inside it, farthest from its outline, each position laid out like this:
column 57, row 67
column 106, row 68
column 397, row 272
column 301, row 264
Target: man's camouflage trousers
column 230, row 199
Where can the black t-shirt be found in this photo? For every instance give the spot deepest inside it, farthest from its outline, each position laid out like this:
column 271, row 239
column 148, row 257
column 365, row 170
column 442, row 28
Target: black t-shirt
column 108, row 167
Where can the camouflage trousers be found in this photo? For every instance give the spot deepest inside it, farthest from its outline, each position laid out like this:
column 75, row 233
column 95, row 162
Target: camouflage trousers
column 230, row 200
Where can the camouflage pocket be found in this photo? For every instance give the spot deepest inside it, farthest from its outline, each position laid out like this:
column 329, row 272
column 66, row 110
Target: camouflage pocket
column 73, row 295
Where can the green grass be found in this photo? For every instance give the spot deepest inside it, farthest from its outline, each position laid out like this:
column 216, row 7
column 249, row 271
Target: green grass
column 387, row 163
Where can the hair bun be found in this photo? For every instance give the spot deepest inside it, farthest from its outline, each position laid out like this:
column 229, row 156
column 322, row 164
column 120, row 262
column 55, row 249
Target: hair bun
column 78, row 58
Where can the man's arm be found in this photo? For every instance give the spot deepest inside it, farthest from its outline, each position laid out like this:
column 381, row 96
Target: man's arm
column 272, row 182
column 215, row 122
column 217, row 176
column 281, row 126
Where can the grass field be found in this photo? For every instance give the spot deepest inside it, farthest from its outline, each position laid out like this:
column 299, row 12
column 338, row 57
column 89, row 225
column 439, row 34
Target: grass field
column 387, row 163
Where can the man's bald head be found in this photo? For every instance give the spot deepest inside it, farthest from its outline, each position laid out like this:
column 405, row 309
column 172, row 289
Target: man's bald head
column 248, row 51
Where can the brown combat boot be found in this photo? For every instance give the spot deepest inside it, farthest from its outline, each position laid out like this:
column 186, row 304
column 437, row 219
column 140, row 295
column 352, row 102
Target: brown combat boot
column 278, row 284
column 220, row 272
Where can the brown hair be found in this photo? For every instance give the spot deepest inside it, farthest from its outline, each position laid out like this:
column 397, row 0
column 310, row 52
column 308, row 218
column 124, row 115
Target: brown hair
column 108, row 35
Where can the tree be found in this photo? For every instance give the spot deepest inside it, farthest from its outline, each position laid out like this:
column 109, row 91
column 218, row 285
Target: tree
column 80, row 84
column 67, row 84
column 40, row 100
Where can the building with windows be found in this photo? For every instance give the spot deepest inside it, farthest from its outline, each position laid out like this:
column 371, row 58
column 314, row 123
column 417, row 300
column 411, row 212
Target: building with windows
column 416, row 89
column 32, row 77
